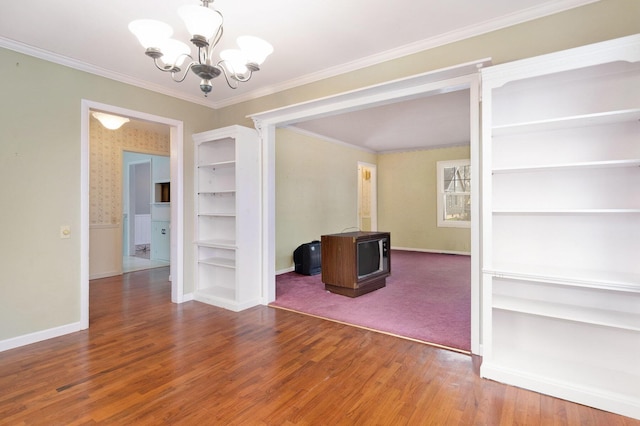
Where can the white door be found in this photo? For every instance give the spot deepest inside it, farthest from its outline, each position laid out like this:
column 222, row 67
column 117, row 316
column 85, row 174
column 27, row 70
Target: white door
column 367, row 197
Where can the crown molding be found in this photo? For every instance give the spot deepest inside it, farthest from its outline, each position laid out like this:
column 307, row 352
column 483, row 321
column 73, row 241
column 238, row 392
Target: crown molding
column 55, row 58
column 546, row 9
column 309, row 133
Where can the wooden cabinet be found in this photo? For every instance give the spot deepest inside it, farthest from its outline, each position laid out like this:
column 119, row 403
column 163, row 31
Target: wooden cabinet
column 228, row 218
column 561, row 224
column 355, row 263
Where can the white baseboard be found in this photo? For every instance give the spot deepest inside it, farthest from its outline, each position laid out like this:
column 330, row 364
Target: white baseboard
column 284, row 271
column 105, row 275
column 625, row 405
column 462, row 253
column 38, row 336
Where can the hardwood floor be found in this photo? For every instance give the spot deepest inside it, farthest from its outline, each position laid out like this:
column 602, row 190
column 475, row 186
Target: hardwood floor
column 145, row 360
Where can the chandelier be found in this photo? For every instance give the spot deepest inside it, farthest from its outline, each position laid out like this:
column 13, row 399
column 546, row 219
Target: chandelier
column 205, row 24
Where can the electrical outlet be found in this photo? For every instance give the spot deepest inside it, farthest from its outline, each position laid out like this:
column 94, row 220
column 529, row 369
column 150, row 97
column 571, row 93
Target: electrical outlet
column 65, row 231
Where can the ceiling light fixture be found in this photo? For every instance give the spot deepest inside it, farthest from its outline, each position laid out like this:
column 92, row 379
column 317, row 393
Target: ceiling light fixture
column 205, row 25
column 111, row 122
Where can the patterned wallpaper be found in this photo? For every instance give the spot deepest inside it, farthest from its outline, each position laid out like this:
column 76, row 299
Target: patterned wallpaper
column 105, row 166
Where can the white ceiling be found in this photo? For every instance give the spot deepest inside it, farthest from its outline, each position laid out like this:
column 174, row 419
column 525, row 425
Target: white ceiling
column 312, row 39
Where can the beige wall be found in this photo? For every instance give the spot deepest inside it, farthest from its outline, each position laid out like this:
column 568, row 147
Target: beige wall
column 407, row 200
column 316, row 190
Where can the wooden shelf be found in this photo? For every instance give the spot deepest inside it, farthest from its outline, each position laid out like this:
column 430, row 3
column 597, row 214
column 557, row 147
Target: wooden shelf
column 608, row 318
column 597, row 119
column 227, row 272
column 217, row 214
column 219, row 261
column 561, row 210
column 218, row 165
column 603, row 280
column 218, row 192
column 569, row 166
column 565, row 211
column 225, row 244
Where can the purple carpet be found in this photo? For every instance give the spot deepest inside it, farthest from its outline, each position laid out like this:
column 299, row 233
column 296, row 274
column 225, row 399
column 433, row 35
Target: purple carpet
column 427, row 298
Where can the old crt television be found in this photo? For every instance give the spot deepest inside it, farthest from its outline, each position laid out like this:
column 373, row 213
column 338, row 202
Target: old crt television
column 373, row 257
column 355, row 263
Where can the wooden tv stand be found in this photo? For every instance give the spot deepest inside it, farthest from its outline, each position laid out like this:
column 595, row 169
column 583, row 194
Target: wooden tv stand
column 340, row 263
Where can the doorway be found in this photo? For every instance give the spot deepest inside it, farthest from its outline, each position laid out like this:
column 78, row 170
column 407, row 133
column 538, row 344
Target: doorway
column 146, row 220
column 464, row 76
column 177, row 205
column 367, row 197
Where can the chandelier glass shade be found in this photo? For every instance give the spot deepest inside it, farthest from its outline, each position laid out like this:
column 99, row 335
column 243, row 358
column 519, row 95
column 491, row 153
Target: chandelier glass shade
column 205, row 26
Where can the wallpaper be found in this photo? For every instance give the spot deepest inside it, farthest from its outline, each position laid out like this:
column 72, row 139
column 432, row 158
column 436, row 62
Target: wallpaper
column 105, row 166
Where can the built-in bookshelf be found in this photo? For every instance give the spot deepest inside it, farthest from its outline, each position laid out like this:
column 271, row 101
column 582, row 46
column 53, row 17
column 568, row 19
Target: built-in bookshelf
column 227, row 236
column 561, row 224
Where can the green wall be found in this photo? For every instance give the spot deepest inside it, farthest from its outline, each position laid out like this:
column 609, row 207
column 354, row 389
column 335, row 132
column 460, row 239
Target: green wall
column 40, row 162
column 316, row 190
column 407, row 200
column 316, row 194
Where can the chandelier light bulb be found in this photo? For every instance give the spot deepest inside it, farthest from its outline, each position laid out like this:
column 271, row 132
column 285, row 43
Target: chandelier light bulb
column 150, row 33
column 200, row 20
column 174, row 52
column 236, row 60
column 255, row 49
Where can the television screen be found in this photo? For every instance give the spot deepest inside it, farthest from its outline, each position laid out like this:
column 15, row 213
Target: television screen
column 369, row 257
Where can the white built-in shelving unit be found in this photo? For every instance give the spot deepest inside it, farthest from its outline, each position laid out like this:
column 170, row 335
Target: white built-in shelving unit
column 228, row 218
column 561, row 224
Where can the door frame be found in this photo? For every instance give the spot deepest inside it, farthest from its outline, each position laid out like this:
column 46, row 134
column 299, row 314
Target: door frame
column 459, row 77
column 176, row 136
column 373, row 207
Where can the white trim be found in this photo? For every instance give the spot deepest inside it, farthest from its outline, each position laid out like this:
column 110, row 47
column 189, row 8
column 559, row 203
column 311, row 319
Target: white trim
column 476, row 218
column 39, row 336
column 105, row 275
column 286, row 270
column 464, row 76
column 177, row 206
column 440, row 202
column 435, row 82
column 458, row 253
column 374, row 194
column 84, row 216
column 536, row 12
column 327, row 139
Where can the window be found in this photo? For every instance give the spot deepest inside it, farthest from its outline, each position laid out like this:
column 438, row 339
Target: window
column 454, row 193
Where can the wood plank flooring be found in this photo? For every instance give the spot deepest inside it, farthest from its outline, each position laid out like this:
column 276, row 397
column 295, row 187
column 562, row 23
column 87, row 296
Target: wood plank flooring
column 146, row 361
